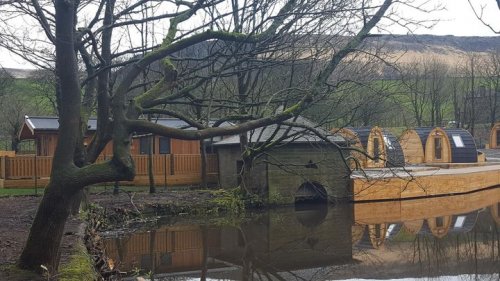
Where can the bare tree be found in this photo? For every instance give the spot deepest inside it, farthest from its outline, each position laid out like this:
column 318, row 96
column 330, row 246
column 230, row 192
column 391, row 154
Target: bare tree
column 268, row 33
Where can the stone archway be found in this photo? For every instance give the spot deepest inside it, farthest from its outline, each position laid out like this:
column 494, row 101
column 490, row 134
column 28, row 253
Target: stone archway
column 311, row 192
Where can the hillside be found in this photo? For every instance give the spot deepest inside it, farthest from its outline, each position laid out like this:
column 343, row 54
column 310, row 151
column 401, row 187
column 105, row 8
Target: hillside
column 449, row 49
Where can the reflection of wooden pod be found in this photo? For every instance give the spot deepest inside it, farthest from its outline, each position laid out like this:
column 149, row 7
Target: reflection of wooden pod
column 413, row 142
column 357, row 231
column 495, row 136
column 377, row 234
column 495, row 212
column 414, row 226
column 439, row 226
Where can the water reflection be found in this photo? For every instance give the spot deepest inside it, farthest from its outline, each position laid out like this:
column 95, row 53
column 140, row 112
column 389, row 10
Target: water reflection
column 427, row 238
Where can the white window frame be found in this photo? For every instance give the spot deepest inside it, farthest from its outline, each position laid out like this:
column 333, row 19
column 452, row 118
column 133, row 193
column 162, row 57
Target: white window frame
column 457, row 139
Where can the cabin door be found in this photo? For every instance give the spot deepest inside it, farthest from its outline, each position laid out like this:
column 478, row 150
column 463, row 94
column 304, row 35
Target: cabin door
column 438, row 148
column 376, row 150
column 498, row 137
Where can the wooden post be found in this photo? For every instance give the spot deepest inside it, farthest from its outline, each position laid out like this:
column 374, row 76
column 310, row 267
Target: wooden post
column 36, row 176
column 2, row 166
column 172, row 164
column 165, row 171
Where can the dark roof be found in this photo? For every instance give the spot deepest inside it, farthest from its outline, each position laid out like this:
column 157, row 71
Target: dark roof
column 464, row 222
column 51, row 123
column 465, row 154
column 363, row 134
column 423, row 133
column 395, row 154
column 294, row 135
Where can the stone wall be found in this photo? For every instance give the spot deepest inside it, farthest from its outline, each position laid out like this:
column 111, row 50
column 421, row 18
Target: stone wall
column 286, row 168
column 293, row 165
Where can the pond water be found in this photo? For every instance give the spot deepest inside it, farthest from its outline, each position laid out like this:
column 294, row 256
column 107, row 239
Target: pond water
column 445, row 238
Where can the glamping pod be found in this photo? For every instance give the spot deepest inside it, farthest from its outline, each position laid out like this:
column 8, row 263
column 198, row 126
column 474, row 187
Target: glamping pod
column 450, row 146
column 371, row 140
column 394, row 152
column 413, row 142
column 495, row 136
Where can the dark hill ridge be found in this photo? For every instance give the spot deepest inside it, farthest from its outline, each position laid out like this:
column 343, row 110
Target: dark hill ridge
column 449, row 48
column 422, row 42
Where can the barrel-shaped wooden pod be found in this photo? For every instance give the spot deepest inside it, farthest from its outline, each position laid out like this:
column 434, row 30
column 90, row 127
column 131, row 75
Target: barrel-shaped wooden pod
column 394, row 152
column 372, row 140
column 495, row 136
column 412, row 143
column 439, row 226
column 438, row 147
column 354, row 142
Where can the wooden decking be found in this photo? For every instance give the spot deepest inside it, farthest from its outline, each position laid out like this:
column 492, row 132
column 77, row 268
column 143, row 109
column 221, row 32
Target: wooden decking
column 416, row 182
column 179, row 169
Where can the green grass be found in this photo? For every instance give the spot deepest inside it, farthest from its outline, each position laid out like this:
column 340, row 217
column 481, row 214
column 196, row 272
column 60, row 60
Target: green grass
column 5, row 192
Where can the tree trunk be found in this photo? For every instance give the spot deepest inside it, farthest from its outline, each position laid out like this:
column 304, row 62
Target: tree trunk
column 152, row 188
column 42, row 247
column 204, row 180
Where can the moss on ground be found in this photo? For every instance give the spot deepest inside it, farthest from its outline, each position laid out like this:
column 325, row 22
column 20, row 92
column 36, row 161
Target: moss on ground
column 14, row 273
column 79, row 267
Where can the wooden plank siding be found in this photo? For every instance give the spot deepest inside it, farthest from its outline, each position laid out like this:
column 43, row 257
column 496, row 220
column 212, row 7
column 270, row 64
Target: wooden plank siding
column 178, row 169
column 399, row 185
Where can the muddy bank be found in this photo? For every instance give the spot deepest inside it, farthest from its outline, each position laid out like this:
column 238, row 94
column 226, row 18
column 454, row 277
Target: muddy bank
column 127, row 210
column 16, row 216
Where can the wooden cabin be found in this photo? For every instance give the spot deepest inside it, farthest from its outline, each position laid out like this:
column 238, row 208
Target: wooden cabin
column 437, row 145
column 44, row 131
column 412, row 142
column 371, row 140
column 302, row 165
column 495, row 136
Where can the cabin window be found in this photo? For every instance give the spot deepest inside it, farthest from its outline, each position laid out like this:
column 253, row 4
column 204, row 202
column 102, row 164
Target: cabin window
column 376, row 150
column 144, row 145
column 457, row 139
column 164, row 145
column 439, row 222
column 438, row 148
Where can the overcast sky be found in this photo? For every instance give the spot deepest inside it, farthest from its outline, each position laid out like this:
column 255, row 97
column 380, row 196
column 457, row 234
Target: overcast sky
column 456, row 18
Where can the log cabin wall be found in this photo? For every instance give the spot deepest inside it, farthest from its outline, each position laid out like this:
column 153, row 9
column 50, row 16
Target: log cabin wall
column 164, row 145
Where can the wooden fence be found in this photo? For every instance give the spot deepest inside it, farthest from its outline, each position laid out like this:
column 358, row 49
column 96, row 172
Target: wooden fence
column 176, row 169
